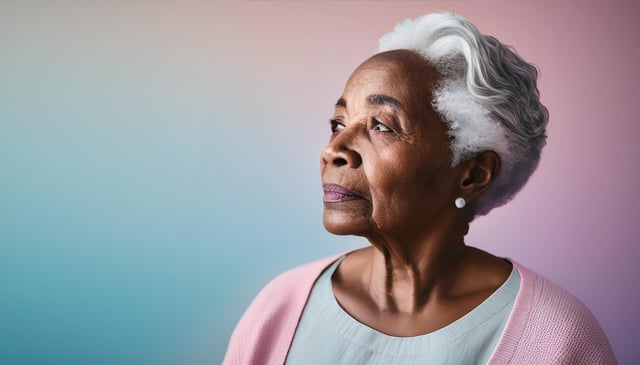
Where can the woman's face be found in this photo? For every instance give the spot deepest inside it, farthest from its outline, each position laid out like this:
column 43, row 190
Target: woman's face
column 386, row 170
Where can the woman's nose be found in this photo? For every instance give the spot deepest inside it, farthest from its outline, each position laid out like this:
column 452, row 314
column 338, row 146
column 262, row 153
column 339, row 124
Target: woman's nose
column 341, row 152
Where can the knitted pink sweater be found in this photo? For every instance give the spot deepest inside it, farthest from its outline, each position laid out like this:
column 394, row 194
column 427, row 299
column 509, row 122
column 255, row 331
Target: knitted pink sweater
column 547, row 325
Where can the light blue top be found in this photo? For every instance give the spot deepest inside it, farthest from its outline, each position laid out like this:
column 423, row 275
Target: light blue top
column 327, row 334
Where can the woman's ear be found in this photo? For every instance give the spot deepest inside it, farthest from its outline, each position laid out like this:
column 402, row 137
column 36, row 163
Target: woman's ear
column 478, row 173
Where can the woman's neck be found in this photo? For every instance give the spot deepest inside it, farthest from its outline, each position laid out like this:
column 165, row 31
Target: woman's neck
column 406, row 287
column 407, row 278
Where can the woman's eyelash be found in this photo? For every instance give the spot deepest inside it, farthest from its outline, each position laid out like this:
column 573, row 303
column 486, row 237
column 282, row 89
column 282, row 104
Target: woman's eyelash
column 336, row 126
column 379, row 126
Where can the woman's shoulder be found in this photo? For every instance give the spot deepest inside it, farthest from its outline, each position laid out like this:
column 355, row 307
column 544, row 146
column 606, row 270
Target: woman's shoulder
column 266, row 328
column 543, row 298
column 550, row 325
column 292, row 285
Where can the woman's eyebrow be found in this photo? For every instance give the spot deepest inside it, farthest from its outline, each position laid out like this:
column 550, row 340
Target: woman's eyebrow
column 377, row 99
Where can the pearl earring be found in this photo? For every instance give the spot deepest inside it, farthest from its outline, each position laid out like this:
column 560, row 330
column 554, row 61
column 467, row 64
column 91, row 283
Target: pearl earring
column 460, row 202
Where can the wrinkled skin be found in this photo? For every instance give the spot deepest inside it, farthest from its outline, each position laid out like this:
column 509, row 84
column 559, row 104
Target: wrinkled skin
column 387, row 177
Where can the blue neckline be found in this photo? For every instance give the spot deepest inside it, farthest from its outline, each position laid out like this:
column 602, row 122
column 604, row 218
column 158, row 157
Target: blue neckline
column 362, row 335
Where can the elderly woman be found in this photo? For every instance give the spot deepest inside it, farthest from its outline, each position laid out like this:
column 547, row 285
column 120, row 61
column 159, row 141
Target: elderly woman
column 443, row 125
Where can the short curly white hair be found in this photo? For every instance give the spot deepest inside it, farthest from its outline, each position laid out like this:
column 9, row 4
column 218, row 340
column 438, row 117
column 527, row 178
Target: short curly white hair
column 487, row 96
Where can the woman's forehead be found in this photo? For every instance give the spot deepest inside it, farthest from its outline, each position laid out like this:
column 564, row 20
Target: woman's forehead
column 404, row 60
column 402, row 73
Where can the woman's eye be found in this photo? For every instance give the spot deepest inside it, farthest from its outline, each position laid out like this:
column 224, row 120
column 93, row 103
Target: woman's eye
column 377, row 126
column 336, row 126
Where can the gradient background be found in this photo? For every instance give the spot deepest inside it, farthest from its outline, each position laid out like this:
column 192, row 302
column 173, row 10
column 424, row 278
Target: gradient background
column 159, row 164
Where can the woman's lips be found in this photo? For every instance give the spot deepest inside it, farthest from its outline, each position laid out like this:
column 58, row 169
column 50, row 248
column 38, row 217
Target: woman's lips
column 337, row 193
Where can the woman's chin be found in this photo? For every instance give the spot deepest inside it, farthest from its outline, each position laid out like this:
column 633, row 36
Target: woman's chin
column 344, row 224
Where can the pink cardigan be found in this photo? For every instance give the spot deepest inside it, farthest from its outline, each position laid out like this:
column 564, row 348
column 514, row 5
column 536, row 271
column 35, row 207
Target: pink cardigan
column 547, row 325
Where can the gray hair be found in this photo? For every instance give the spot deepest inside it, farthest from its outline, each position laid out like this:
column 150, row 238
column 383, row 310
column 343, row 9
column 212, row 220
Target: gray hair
column 487, row 96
